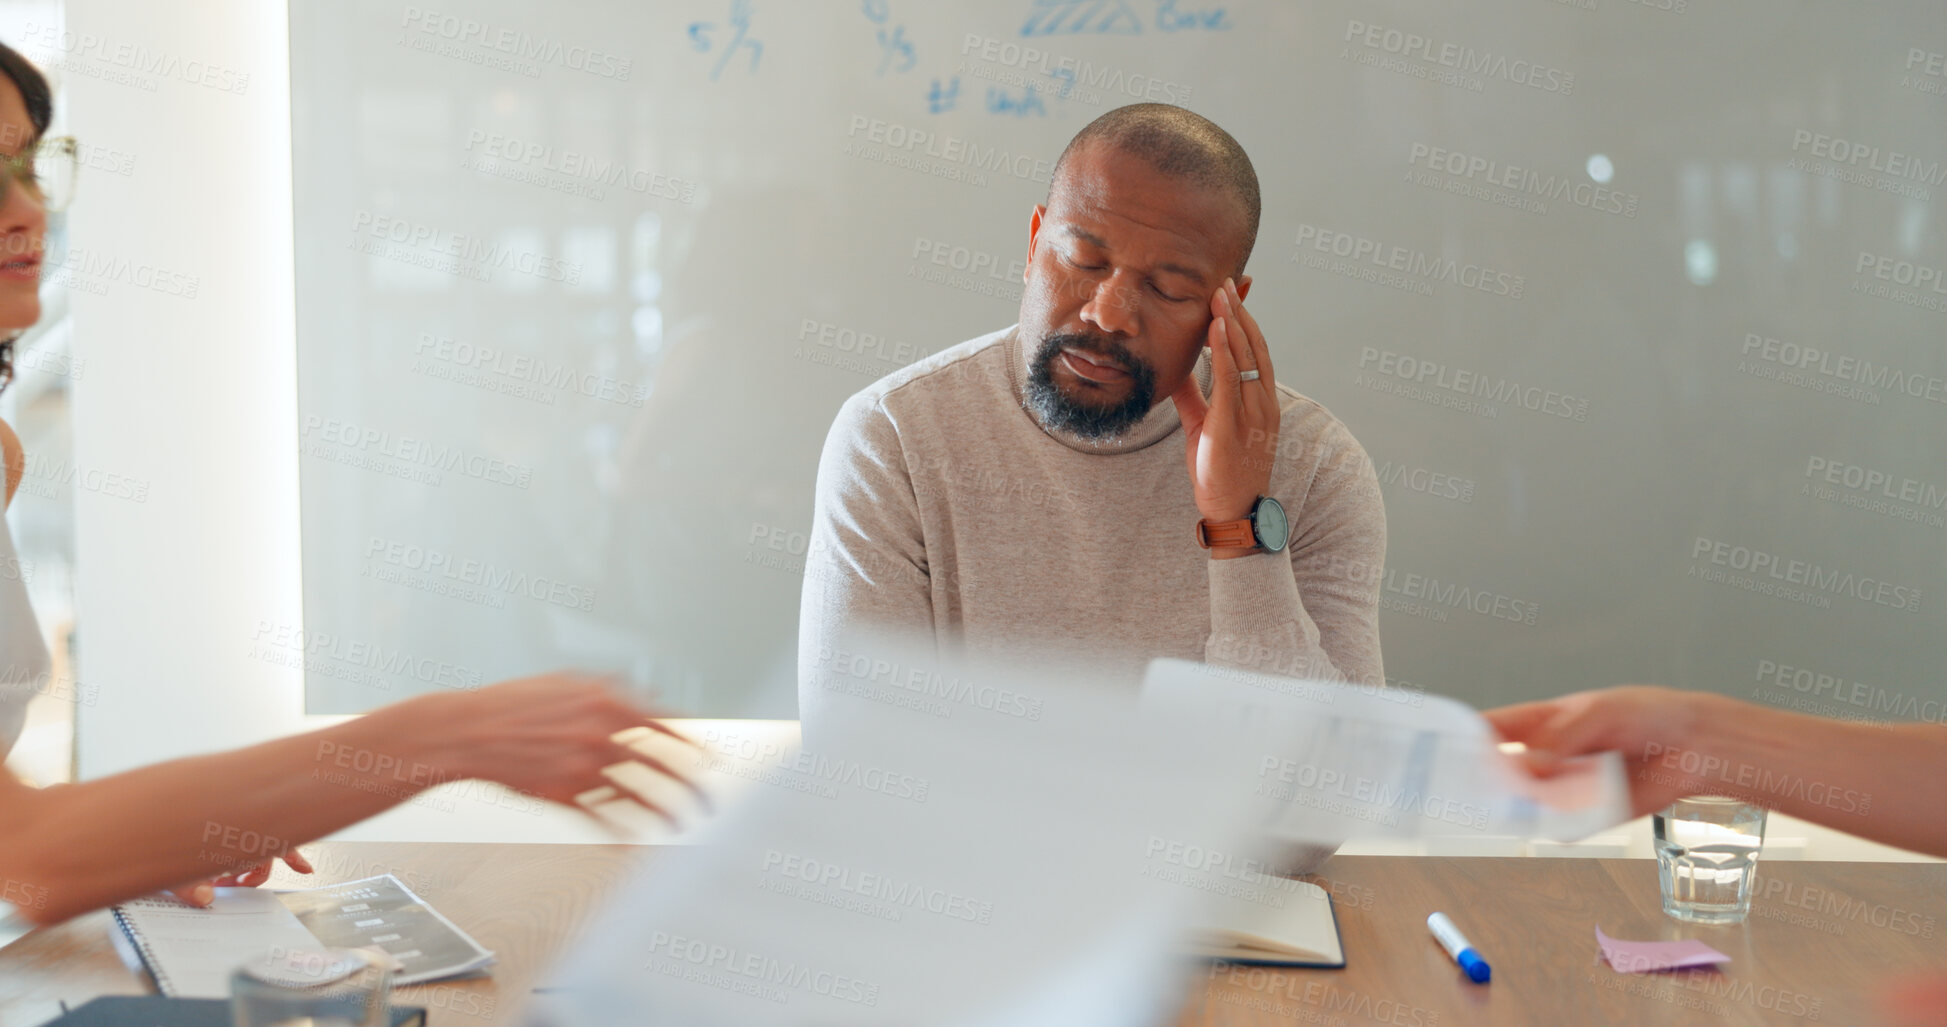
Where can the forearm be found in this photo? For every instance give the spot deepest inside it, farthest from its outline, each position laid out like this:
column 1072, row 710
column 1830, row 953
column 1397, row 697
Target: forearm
column 1326, row 589
column 1258, row 620
column 859, row 597
column 1877, row 781
column 92, row 844
column 866, row 568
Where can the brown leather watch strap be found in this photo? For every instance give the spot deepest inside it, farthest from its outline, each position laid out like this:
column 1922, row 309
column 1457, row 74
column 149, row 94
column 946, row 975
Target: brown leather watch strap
column 1227, row 534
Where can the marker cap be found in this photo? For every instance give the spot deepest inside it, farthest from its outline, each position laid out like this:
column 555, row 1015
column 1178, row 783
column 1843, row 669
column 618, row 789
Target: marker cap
column 1475, row 966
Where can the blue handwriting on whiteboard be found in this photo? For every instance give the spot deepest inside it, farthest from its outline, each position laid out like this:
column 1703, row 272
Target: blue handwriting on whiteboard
column 941, row 99
column 1169, row 19
column 740, row 21
column 1000, row 101
column 1081, row 17
column 892, row 38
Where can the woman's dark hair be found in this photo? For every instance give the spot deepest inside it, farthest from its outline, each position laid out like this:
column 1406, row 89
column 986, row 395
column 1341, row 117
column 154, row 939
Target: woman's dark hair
column 40, row 110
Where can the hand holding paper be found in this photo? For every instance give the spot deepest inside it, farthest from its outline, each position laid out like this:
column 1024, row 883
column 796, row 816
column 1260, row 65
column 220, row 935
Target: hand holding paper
column 1340, row 761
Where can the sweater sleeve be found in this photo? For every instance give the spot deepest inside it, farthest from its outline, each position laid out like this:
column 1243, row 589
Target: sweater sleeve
column 866, row 567
column 1311, row 611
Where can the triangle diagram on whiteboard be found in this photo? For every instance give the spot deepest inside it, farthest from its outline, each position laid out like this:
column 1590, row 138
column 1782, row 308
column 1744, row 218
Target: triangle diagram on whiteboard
column 1081, row 17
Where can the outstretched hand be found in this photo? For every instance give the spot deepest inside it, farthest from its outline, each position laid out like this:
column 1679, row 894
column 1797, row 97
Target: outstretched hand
column 1643, row 722
column 560, row 737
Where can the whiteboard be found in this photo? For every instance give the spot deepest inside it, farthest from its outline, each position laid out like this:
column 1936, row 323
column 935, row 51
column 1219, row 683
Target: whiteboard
column 1638, row 306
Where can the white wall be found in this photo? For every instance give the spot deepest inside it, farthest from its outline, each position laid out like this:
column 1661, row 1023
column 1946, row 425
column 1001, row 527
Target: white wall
column 195, row 395
column 191, row 394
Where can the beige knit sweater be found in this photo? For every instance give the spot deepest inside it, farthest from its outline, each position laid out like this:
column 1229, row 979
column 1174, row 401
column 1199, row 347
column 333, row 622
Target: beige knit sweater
column 945, row 510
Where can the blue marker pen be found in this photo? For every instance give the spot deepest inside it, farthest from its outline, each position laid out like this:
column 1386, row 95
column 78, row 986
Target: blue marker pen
column 1457, row 946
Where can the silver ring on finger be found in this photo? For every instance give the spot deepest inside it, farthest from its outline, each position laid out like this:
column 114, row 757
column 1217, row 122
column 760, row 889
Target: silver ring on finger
column 1247, row 376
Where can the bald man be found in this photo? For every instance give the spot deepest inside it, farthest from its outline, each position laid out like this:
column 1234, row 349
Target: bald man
column 1093, row 484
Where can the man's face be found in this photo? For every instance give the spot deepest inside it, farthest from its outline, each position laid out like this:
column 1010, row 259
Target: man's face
column 1121, row 267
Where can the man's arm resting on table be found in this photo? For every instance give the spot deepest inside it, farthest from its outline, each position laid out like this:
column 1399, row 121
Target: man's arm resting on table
column 866, row 566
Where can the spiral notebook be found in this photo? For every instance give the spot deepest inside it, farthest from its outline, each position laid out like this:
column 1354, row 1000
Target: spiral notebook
column 191, row 952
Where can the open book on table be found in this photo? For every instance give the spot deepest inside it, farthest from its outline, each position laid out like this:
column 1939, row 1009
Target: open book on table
column 1296, row 927
column 192, row 952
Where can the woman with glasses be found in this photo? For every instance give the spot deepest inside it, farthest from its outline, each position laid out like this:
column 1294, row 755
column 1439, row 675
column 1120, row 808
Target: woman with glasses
column 71, row 848
column 30, row 189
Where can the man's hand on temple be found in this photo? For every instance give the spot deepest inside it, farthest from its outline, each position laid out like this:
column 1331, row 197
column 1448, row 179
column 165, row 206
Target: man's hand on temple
column 1231, row 438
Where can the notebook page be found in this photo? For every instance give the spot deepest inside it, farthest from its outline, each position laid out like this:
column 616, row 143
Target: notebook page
column 193, row 951
column 1294, row 918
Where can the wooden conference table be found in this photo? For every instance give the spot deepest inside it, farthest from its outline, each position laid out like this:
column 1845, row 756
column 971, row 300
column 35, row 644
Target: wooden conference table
column 1821, row 941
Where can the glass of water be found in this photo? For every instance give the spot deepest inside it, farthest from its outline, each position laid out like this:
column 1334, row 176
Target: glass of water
column 1707, row 856
column 313, row 988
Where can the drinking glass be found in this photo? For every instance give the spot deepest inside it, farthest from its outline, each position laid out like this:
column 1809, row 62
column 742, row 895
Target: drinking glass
column 313, row 988
column 1707, row 856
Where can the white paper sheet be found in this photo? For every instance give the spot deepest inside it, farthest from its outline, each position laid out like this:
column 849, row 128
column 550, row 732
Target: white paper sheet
column 1033, row 861
column 1345, row 761
column 381, row 912
column 13, row 926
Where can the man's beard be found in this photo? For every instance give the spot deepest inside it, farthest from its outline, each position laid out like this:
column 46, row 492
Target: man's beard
column 1060, row 412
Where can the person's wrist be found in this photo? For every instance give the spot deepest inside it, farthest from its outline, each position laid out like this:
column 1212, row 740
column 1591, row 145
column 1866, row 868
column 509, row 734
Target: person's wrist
column 1228, row 512
column 1232, row 510
column 1699, row 710
column 426, row 731
column 1694, row 734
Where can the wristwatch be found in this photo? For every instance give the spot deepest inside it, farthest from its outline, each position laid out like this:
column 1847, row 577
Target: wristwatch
column 1266, row 529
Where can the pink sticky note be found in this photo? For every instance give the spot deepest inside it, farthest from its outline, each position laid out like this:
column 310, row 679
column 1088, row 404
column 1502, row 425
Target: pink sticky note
column 1634, row 957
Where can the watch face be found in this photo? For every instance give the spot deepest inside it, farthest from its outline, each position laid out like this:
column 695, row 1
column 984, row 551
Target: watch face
column 1269, row 524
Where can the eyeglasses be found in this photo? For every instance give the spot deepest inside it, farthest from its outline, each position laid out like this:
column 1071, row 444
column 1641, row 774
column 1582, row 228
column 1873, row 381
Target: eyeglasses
column 48, row 174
